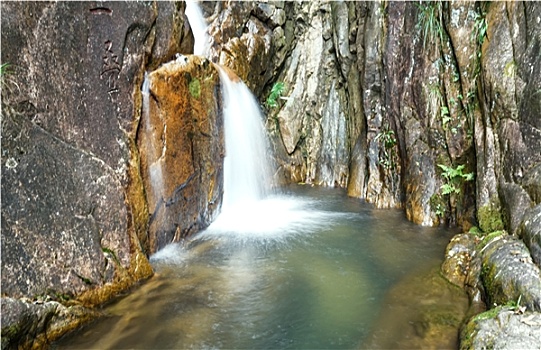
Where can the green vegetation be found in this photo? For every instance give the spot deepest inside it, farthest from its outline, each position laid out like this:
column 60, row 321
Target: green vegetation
column 490, row 218
column 454, row 178
column 480, row 28
column 5, row 81
column 474, row 230
column 511, row 305
column 387, row 140
column 429, row 22
column 436, row 96
column 112, row 254
column 4, row 69
column 438, row 205
column 488, row 238
column 276, row 92
column 195, row 88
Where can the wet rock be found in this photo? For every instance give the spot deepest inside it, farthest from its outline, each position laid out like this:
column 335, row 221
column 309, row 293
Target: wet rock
column 515, row 202
column 530, row 232
column 71, row 196
column 504, row 328
column 458, row 258
column 243, row 38
column 182, row 148
column 24, row 323
column 173, row 33
column 509, row 274
column 532, row 183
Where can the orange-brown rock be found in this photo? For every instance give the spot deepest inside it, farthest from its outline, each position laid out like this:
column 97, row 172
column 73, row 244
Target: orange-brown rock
column 181, row 144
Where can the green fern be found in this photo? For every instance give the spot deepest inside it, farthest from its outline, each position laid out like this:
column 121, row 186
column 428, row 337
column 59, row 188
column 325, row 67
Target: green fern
column 453, row 177
column 276, row 92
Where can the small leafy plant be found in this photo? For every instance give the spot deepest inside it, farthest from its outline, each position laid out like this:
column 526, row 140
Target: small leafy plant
column 480, row 28
column 387, row 139
column 453, row 177
column 276, row 93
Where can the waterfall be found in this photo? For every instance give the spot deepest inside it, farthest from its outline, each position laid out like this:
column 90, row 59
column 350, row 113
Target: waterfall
column 247, row 170
column 247, row 174
column 199, row 28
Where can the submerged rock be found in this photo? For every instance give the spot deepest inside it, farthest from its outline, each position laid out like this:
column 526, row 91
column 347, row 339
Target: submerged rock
column 422, row 312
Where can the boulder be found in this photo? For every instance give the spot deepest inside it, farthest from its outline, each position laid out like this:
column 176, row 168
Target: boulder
column 503, row 328
column 509, row 274
column 181, row 143
column 458, row 258
column 530, row 232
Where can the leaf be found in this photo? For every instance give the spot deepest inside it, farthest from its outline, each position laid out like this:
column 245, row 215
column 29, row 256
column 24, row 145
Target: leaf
column 468, row 176
column 448, row 189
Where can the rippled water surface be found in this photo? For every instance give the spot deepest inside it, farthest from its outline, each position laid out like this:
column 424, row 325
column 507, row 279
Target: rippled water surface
column 310, row 269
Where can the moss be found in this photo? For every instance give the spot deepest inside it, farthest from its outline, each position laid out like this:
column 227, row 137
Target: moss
column 489, row 237
column 438, row 205
column 195, row 88
column 490, row 218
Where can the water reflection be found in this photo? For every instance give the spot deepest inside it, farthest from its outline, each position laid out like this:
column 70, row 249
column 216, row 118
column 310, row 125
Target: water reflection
column 330, row 285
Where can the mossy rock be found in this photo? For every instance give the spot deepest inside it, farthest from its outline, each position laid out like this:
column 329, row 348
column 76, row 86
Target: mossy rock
column 490, row 218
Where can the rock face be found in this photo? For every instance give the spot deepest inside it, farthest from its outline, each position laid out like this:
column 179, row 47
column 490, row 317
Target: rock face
column 401, row 115
column 74, row 212
column 181, row 143
column 506, row 329
column 509, row 274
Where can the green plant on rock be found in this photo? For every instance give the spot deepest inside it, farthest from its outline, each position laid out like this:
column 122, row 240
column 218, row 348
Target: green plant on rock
column 453, row 178
column 435, row 96
column 479, row 32
column 429, row 21
column 7, row 83
column 195, row 88
column 438, row 205
column 276, row 93
column 510, row 69
column 387, row 140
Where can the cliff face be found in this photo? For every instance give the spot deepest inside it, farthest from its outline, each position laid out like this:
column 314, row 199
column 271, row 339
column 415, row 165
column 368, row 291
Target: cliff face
column 77, row 225
column 432, row 107
column 181, row 143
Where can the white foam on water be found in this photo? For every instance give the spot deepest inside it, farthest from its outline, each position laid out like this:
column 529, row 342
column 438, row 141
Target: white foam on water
column 272, row 218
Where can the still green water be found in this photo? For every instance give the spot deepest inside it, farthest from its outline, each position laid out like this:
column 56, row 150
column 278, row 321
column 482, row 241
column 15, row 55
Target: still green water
column 310, row 270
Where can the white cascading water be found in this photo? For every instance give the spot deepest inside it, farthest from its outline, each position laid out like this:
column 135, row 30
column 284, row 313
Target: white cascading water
column 247, row 173
column 199, row 28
